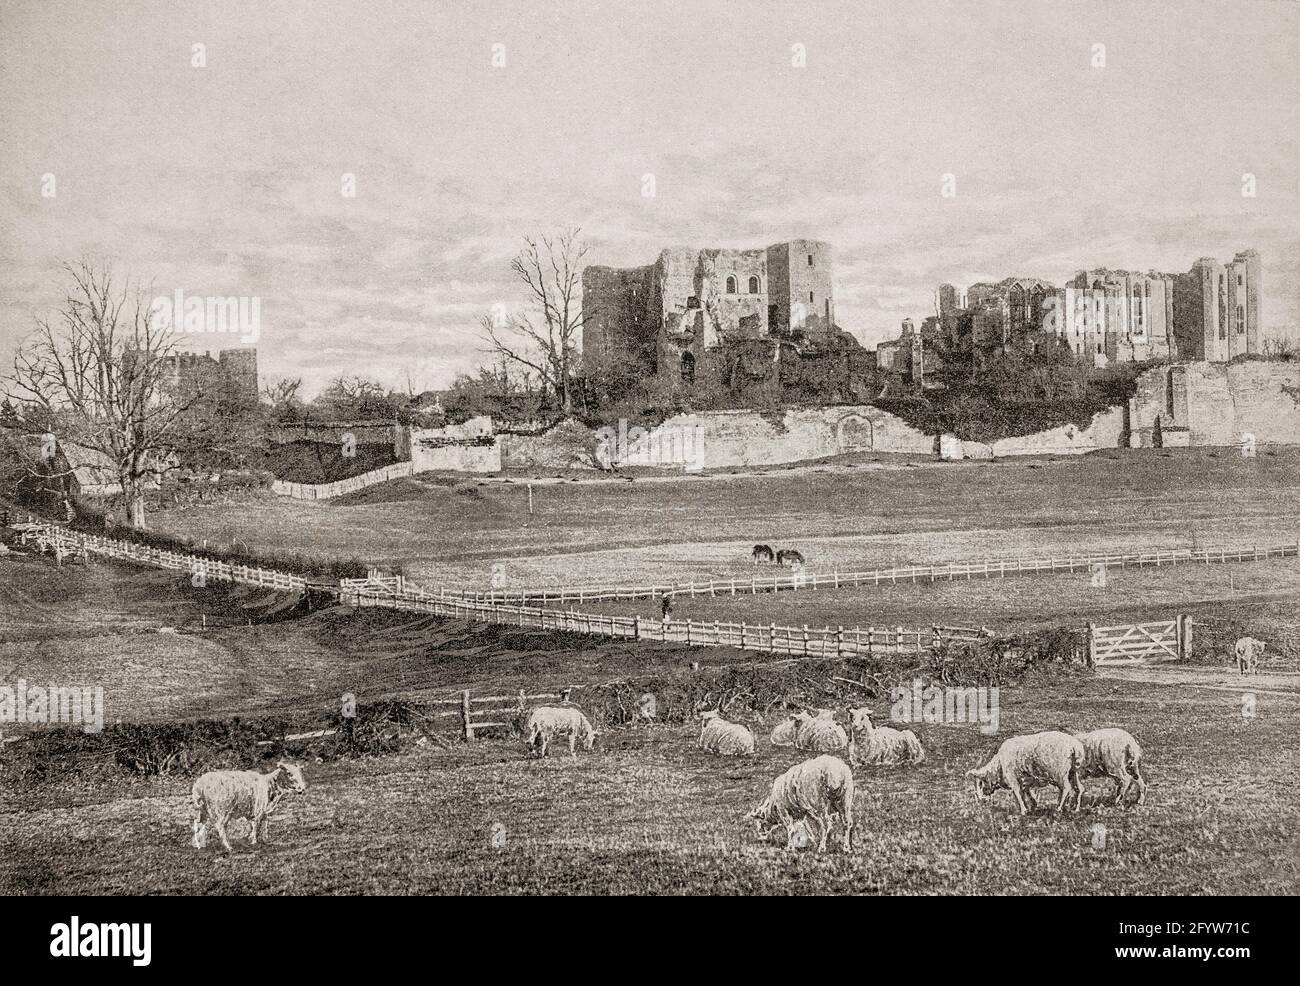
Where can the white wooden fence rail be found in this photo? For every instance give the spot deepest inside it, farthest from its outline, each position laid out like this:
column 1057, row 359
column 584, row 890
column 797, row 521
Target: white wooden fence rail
column 394, row 592
column 326, row 491
column 946, row 572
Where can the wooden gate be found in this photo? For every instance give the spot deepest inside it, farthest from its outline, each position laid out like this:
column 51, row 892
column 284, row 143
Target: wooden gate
column 1164, row 640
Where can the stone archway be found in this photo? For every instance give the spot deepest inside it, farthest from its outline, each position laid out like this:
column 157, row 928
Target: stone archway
column 854, row 433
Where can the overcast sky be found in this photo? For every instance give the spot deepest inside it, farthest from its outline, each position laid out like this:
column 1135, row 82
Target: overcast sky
column 227, row 179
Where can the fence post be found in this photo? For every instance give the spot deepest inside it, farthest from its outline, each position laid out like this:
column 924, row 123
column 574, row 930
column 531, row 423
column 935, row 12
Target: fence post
column 636, row 628
column 839, row 641
column 805, row 640
column 742, row 634
column 1184, row 636
column 935, row 639
column 771, row 636
column 1092, row 644
column 467, row 726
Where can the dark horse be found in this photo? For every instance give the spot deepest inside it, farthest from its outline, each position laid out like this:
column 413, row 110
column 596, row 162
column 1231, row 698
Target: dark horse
column 762, row 553
column 788, row 556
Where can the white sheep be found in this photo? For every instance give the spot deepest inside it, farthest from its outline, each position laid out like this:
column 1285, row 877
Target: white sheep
column 726, row 739
column 880, row 744
column 812, row 793
column 1024, row 762
column 1116, row 754
column 547, row 722
column 820, row 733
column 786, row 731
column 220, row 795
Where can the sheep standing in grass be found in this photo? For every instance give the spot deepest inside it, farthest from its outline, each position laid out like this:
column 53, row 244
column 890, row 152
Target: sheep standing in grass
column 1114, row 753
column 220, row 795
column 1024, row 762
column 880, row 744
column 547, row 722
column 726, row 739
column 820, row 733
column 812, row 793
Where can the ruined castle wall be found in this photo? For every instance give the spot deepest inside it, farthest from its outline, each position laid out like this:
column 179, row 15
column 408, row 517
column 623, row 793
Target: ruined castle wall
column 716, row 313
column 1219, row 403
column 723, row 439
column 1105, row 430
column 621, row 317
column 569, row 445
column 463, row 456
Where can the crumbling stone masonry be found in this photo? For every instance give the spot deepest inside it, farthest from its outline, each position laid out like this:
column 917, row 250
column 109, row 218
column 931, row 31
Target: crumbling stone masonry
column 668, row 314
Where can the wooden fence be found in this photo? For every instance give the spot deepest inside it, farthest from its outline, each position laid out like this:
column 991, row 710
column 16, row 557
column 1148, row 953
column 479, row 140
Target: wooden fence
column 946, row 572
column 489, row 711
column 1163, row 640
column 326, row 491
column 768, row 638
column 393, row 592
column 64, row 543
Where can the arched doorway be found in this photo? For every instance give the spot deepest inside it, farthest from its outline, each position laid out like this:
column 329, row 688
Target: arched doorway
column 854, row 433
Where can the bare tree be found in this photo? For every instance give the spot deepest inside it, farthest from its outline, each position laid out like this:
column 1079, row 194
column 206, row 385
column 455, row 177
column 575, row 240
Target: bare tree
column 544, row 338
column 98, row 378
column 282, row 391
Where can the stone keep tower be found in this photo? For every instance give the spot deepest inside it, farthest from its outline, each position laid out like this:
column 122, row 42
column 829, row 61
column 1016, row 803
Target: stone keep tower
column 1217, row 308
column 667, row 315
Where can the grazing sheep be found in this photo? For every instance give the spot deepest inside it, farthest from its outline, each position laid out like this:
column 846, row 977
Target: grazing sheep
column 547, row 722
column 789, row 556
column 811, row 793
column 220, row 795
column 726, row 739
column 1113, row 753
column 1024, row 762
column 820, row 733
column 762, row 554
column 880, row 744
column 1248, row 651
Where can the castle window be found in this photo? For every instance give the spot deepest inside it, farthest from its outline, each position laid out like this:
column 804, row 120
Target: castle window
column 810, row 260
column 753, row 285
column 1241, row 320
column 692, row 302
column 731, row 285
column 688, row 367
column 810, row 297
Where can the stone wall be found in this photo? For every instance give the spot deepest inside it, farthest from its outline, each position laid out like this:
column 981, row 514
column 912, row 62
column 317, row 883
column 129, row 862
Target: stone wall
column 1219, row 403
column 467, row 456
column 723, row 439
column 569, row 445
column 1105, row 430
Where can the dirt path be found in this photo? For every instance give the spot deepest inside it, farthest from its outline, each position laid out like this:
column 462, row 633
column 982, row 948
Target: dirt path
column 1220, row 679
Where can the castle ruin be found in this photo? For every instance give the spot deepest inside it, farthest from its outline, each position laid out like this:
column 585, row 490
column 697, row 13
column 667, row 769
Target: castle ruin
column 668, row 314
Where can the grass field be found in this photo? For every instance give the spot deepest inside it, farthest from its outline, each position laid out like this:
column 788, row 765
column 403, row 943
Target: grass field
column 876, row 515
column 647, row 812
